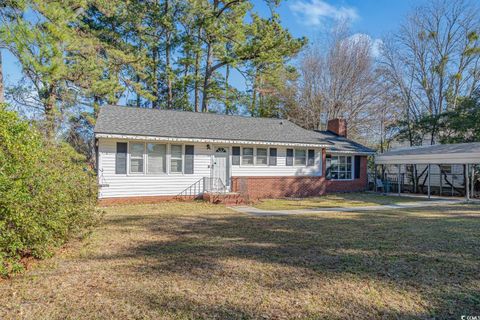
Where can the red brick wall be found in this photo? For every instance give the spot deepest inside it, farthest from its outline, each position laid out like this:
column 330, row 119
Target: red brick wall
column 338, row 126
column 107, row 202
column 279, row 187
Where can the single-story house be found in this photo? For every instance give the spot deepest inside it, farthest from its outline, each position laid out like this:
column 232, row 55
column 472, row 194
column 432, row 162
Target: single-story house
column 149, row 155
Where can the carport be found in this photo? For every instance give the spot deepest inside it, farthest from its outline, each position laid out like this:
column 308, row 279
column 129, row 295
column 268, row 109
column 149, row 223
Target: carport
column 465, row 154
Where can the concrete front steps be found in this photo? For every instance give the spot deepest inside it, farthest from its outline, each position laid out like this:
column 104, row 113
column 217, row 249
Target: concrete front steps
column 228, row 199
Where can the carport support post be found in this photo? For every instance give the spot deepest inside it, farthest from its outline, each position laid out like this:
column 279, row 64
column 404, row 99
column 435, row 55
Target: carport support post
column 398, row 179
column 472, row 193
column 429, row 196
column 467, row 180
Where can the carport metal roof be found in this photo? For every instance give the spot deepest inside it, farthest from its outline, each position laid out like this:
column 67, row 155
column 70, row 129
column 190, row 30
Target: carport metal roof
column 460, row 153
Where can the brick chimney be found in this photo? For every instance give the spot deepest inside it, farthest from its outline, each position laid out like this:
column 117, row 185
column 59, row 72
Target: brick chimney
column 338, row 126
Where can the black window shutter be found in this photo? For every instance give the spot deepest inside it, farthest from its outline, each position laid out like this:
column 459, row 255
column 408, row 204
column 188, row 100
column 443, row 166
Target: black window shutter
column 273, row 157
column 189, row 156
column 121, row 158
column 357, row 167
column 311, row 158
column 289, row 157
column 236, row 156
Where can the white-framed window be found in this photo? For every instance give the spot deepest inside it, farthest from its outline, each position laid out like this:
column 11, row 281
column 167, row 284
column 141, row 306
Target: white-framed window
column 247, row 156
column 300, row 157
column 137, row 149
column 176, row 158
column 156, row 158
column 339, row 167
column 262, row 157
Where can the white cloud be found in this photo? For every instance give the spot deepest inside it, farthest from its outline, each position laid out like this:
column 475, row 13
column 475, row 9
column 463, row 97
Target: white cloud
column 317, row 12
column 375, row 44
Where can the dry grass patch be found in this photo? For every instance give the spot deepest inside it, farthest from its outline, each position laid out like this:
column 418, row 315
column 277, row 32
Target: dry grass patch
column 190, row 261
column 333, row 200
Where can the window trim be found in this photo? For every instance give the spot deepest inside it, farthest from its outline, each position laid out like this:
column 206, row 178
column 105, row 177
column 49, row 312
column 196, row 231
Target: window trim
column 166, row 160
column 145, row 159
column 253, row 157
column 170, row 159
column 130, row 158
column 352, row 163
column 256, row 156
column 295, row 157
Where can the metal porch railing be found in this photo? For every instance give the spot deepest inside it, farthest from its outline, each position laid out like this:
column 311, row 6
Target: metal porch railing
column 205, row 184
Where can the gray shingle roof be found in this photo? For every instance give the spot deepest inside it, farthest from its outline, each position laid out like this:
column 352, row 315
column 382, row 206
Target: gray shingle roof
column 183, row 124
column 472, row 147
column 341, row 144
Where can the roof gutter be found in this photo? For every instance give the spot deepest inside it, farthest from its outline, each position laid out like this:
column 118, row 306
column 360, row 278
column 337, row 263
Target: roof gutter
column 434, row 158
column 206, row 140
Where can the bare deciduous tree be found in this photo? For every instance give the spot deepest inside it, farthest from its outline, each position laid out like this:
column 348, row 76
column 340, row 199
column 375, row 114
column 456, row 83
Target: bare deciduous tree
column 337, row 79
column 434, row 60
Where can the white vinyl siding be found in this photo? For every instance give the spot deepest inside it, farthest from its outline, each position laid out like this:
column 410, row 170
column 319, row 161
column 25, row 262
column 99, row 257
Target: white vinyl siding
column 171, row 184
column 280, row 169
column 131, row 185
column 455, row 176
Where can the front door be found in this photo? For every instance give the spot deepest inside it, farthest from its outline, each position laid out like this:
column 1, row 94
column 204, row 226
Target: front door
column 220, row 168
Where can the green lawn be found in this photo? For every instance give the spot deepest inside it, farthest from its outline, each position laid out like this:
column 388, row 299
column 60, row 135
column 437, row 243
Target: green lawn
column 333, row 200
column 198, row 261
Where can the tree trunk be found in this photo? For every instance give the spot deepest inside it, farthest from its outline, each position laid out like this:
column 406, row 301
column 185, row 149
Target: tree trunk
column 254, row 97
column 50, row 115
column 196, row 89
column 227, row 102
column 155, row 79
column 254, row 101
column 206, row 80
column 2, row 88
column 138, row 101
column 167, row 63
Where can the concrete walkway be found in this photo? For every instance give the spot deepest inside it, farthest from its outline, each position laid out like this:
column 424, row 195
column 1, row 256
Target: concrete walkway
column 406, row 205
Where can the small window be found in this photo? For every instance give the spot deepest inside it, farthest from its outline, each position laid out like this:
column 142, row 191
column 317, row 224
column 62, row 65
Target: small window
column 235, row 156
column 121, row 158
column 247, row 156
column 300, row 157
column 445, row 169
column 311, row 158
column 156, row 154
column 189, row 159
column 273, row 157
column 176, row 158
column 262, row 156
column 136, row 157
column 289, row 160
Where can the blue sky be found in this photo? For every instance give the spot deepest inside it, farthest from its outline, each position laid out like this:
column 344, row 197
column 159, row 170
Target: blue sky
column 309, row 18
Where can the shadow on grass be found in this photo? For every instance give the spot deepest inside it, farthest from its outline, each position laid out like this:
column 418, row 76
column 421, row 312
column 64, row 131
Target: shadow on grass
column 435, row 253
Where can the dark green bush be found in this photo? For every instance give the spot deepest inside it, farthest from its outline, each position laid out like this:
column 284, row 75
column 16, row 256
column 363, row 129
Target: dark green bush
column 46, row 193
